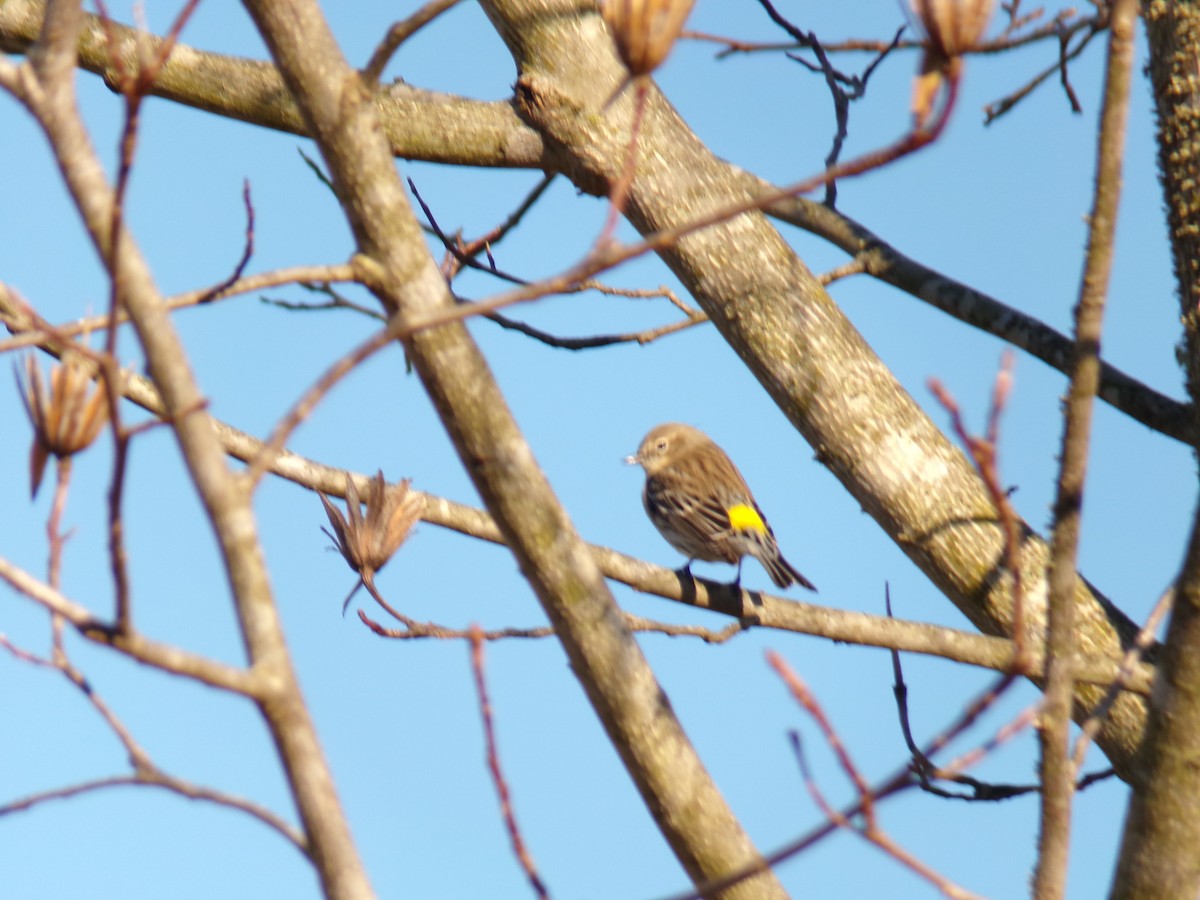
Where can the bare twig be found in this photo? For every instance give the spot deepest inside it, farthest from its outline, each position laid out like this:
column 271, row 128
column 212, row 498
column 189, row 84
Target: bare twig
column 1144, row 640
column 458, row 250
column 298, row 275
column 57, row 540
column 983, row 453
column 308, row 401
column 600, row 340
column 694, row 317
column 493, row 759
column 856, row 266
column 1069, row 31
column 399, row 33
column 1008, row 39
column 1062, row 35
column 159, row 779
column 247, row 251
column 925, row 769
column 416, row 630
column 466, row 252
column 844, row 89
column 869, row 830
column 145, row 772
column 1057, row 770
column 619, row 192
column 464, row 255
column 336, row 301
column 977, row 791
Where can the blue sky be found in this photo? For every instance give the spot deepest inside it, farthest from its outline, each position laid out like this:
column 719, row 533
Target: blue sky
column 1000, row 207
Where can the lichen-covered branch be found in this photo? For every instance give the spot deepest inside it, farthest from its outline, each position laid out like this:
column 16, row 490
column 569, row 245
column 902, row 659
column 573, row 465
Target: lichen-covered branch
column 340, row 116
column 1158, row 855
column 420, row 124
column 435, row 127
column 794, row 339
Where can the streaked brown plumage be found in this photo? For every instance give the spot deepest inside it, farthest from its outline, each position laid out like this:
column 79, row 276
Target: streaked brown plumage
column 699, row 502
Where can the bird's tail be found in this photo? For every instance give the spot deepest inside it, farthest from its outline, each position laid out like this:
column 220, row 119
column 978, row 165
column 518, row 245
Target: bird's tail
column 783, row 573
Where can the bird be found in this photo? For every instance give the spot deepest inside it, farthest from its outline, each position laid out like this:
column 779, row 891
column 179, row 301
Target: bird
column 701, row 504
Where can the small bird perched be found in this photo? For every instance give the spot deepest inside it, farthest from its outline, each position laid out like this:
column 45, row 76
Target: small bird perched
column 701, row 504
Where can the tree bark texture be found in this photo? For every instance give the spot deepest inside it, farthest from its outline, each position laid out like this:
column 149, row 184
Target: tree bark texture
column 679, row 793
column 807, row 355
column 1159, row 850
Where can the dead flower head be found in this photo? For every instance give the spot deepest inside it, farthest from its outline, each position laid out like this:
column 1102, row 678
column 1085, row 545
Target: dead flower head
column 644, row 30
column 952, row 27
column 67, row 417
column 368, row 542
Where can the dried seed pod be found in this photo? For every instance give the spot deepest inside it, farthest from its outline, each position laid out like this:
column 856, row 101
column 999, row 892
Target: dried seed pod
column 644, row 30
column 368, row 542
column 66, row 417
column 953, row 26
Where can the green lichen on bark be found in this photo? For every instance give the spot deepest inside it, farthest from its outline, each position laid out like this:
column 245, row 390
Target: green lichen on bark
column 1174, row 29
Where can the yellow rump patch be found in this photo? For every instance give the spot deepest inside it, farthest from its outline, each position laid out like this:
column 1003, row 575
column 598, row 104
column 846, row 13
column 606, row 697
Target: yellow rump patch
column 745, row 518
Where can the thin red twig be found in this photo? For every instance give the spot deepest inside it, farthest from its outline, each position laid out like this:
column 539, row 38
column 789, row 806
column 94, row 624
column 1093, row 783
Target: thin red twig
column 493, row 758
column 984, row 453
column 869, row 830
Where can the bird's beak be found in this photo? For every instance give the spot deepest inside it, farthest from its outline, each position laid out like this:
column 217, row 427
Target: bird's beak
column 634, row 460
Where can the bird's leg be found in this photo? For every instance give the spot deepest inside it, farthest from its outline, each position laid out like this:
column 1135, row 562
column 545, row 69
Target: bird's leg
column 686, row 571
column 737, row 581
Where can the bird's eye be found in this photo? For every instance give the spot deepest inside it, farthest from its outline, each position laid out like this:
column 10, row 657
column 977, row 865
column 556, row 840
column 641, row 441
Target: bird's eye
column 661, row 445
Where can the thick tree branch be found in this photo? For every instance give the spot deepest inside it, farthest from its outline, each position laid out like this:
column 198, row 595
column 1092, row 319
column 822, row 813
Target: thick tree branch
column 883, row 261
column 1162, row 831
column 458, row 132
column 435, row 127
column 795, row 340
column 679, row 793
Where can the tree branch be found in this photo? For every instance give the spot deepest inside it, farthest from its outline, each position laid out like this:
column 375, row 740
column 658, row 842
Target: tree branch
column 48, row 94
column 883, row 261
column 169, row 783
column 435, row 127
column 1158, row 849
column 132, row 644
column 752, row 607
column 796, row 341
column 1056, row 770
column 460, row 131
column 679, row 793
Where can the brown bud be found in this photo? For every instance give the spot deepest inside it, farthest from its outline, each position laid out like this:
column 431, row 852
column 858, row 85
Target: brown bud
column 644, row 30
column 67, row 417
